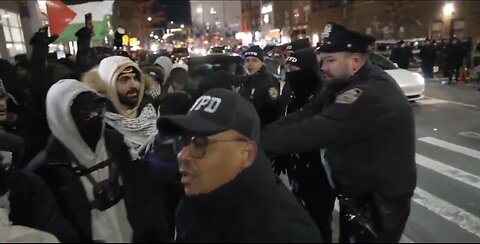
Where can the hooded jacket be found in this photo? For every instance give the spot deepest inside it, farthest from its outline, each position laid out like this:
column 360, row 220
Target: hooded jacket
column 109, row 70
column 138, row 126
column 253, row 207
column 166, row 65
column 111, row 224
column 143, row 196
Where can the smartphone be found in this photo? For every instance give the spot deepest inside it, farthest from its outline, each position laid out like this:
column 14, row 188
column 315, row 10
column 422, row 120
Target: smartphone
column 88, row 21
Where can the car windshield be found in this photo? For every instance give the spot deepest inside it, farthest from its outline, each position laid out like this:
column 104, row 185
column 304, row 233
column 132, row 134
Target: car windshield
column 382, row 62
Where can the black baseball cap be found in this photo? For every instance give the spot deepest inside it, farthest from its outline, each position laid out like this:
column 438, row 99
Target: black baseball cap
column 217, row 110
column 304, row 59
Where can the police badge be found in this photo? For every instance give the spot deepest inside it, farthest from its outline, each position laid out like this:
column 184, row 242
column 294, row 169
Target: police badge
column 273, row 92
column 349, row 96
column 326, row 31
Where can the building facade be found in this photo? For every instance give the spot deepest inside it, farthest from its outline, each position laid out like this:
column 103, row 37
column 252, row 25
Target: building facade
column 216, row 16
column 19, row 20
column 392, row 20
column 401, row 19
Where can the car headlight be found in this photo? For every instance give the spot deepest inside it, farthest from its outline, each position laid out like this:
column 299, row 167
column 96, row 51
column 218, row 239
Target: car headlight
column 420, row 78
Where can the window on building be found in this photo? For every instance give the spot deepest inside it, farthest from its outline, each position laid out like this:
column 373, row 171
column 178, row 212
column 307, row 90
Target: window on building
column 296, row 14
column 306, row 9
column 12, row 30
column 213, row 11
column 335, row 3
column 287, row 18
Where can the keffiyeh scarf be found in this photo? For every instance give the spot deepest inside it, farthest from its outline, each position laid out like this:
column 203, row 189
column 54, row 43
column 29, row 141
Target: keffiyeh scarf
column 138, row 132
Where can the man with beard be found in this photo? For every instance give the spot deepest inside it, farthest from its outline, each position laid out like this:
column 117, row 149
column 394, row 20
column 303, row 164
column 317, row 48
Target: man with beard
column 131, row 112
column 366, row 127
column 304, row 169
column 261, row 87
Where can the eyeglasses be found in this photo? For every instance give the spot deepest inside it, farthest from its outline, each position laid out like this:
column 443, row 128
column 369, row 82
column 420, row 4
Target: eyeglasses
column 197, row 145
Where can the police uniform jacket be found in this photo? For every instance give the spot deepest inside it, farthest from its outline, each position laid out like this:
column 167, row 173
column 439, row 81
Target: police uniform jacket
column 263, row 90
column 368, row 133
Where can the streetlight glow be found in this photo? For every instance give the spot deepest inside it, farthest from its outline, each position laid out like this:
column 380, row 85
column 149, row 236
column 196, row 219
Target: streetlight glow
column 448, row 9
column 149, row 18
column 199, row 10
column 182, row 26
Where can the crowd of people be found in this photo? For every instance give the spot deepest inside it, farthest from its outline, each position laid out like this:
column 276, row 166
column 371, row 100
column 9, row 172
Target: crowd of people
column 98, row 147
column 449, row 55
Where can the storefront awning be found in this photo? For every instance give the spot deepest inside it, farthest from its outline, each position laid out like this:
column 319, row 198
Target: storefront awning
column 101, row 29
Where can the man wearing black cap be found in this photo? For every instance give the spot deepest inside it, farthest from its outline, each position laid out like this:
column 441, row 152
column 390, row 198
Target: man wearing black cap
column 297, row 45
column 366, row 127
column 261, row 87
column 231, row 192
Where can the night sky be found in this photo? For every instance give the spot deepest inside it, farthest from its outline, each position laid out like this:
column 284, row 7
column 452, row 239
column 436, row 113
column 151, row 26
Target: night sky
column 173, row 13
column 172, row 9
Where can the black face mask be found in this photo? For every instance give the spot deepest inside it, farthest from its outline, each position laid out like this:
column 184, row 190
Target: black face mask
column 304, row 83
column 87, row 111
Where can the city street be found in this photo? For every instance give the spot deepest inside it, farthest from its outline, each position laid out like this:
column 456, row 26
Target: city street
column 446, row 205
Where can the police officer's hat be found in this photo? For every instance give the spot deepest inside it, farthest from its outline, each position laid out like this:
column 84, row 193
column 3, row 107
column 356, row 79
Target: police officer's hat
column 254, row 51
column 337, row 38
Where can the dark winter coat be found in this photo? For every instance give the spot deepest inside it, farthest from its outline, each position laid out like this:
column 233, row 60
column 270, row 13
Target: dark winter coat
column 254, row 207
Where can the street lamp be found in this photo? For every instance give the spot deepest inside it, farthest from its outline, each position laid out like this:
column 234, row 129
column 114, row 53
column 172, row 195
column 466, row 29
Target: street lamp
column 182, row 26
column 149, row 18
column 171, row 22
column 156, row 37
column 448, row 9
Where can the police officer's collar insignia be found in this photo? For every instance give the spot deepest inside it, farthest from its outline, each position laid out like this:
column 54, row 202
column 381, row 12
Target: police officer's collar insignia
column 349, row 96
column 273, row 92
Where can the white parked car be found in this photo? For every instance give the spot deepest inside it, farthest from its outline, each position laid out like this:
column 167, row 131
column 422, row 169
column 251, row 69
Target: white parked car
column 412, row 83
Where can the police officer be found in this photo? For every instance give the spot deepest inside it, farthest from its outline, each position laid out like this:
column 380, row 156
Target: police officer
column 261, row 87
column 366, row 127
column 305, row 170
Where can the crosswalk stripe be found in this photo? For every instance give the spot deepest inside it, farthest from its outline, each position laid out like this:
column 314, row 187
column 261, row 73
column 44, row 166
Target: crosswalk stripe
column 446, row 210
column 452, row 147
column 449, row 171
column 404, row 238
